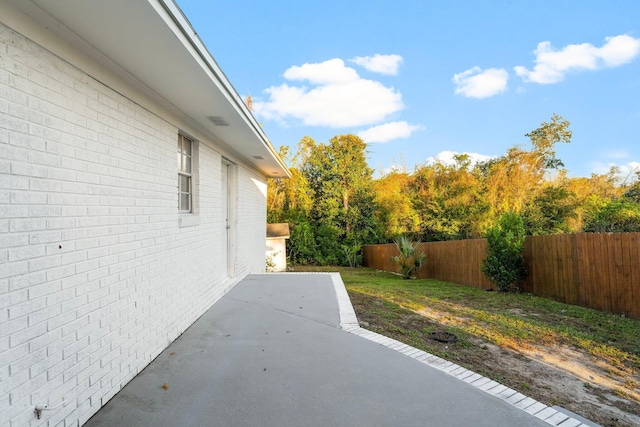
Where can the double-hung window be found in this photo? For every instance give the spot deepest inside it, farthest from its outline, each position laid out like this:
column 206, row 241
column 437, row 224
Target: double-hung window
column 185, row 177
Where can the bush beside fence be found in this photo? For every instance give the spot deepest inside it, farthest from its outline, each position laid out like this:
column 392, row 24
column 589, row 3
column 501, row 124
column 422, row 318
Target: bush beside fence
column 596, row 270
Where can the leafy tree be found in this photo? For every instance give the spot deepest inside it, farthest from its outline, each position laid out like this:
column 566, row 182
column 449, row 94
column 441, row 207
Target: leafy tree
column 288, row 196
column 396, row 210
column 615, row 216
column 333, row 205
column 518, row 176
column 550, row 212
column 633, row 192
column 544, row 139
column 449, row 200
column 504, row 264
column 329, row 202
column 591, row 194
column 301, row 246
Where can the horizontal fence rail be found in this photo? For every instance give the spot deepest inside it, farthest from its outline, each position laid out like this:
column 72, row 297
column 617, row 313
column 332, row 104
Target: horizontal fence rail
column 595, row 270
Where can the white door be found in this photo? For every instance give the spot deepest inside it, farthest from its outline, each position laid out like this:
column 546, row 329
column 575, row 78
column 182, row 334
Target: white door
column 224, row 250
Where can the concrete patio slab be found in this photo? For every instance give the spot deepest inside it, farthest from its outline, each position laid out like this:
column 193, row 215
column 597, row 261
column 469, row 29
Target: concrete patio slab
column 273, row 352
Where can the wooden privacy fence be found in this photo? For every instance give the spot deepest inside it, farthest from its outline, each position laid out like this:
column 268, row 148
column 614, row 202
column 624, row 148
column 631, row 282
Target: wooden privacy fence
column 600, row 271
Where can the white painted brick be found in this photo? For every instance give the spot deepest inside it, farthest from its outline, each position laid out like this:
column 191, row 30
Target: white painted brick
column 44, row 184
column 29, row 169
column 40, row 211
column 44, row 315
column 4, row 374
column 74, row 234
column 24, row 224
column 23, row 418
column 27, row 252
column 24, row 308
column 28, row 198
column 14, row 182
column 25, row 280
column 12, row 298
column 45, row 237
column 11, row 152
column 10, row 327
column 55, row 323
column 37, row 264
column 24, row 363
column 73, row 258
column 46, row 288
column 73, row 326
column 11, row 356
column 51, row 161
column 83, row 307
column 44, row 340
column 14, row 124
column 73, row 281
column 61, row 174
column 11, row 240
column 62, row 149
column 58, row 248
column 17, row 377
column 71, row 350
column 58, row 368
column 72, row 373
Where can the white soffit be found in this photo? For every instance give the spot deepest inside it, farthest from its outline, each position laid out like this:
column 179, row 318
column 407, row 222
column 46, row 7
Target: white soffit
column 153, row 42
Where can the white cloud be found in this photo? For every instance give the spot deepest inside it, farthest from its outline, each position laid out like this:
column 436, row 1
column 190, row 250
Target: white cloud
column 339, row 97
column 447, row 158
column 552, row 65
column 617, row 154
column 327, row 72
column 383, row 64
column 476, row 83
column 388, row 132
column 627, row 170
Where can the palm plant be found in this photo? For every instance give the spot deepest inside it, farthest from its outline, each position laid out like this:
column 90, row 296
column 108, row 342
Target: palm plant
column 410, row 257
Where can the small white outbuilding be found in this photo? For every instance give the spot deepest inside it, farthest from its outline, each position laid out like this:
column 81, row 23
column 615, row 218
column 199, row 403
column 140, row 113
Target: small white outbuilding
column 277, row 234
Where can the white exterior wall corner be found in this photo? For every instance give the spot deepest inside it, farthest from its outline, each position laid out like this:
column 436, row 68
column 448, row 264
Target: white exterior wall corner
column 96, row 276
column 252, row 222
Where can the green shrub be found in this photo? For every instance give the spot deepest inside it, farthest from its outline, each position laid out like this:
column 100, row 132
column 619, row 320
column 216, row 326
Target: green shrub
column 504, row 264
column 301, row 247
column 410, row 258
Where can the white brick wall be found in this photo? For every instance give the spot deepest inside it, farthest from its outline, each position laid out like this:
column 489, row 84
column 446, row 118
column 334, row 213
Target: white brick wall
column 96, row 275
column 252, row 223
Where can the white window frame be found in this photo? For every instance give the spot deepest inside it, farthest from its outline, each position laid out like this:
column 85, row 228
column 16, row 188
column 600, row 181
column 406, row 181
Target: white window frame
column 185, row 173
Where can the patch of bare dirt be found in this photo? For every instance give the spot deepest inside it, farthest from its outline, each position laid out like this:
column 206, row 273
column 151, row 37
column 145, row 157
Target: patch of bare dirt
column 568, row 378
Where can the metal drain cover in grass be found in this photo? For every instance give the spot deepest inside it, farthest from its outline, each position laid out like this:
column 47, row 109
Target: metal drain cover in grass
column 444, row 336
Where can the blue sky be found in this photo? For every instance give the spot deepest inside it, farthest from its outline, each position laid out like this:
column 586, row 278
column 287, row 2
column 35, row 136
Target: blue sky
column 423, row 79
